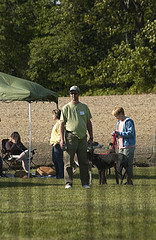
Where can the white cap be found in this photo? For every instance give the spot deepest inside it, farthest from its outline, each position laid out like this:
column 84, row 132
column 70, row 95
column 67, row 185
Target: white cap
column 75, row 88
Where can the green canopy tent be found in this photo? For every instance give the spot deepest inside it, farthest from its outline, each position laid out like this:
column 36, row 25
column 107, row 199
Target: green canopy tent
column 18, row 89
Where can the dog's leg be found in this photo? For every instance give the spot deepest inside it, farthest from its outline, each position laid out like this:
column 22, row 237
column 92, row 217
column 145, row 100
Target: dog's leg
column 100, row 177
column 104, row 180
column 90, row 172
column 116, row 175
column 90, row 177
column 108, row 171
column 123, row 176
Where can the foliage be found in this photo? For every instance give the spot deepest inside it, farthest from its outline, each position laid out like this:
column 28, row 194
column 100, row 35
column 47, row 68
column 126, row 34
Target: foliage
column 16, row 29
column 68, row 42
column 119, row 67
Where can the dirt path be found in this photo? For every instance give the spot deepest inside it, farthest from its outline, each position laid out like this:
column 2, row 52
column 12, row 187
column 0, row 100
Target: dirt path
column 141, row 108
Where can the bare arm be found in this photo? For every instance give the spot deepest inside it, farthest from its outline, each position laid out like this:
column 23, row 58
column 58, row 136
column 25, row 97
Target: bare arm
column 62, row 142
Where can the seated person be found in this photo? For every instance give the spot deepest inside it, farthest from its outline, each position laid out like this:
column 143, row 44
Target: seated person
column 15, row 147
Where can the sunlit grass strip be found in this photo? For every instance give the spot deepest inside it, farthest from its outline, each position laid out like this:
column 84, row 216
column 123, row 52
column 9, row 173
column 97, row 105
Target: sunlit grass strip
column 43, row 209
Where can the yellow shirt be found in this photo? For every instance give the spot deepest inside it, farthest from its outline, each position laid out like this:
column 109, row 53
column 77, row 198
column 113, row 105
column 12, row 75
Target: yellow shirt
column 55, row 134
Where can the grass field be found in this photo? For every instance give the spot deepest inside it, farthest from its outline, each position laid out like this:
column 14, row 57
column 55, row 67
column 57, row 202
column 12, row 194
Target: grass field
column 40, row 208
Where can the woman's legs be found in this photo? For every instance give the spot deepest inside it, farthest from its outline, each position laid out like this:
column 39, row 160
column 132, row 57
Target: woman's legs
column 24, row 158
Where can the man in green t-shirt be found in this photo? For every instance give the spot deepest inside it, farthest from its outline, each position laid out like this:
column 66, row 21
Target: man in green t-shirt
column 75, row 118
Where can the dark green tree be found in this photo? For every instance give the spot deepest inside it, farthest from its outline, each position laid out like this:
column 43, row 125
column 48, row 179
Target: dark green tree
column 102, row 46
column 61, row 46
column 16, row 31
column 129, row 65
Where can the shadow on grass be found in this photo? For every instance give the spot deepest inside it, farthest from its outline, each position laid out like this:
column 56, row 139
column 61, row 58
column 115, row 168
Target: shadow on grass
column 112, row 176
column 143, row 177
column 134, row 177
column 12, row 212
column 4, row 184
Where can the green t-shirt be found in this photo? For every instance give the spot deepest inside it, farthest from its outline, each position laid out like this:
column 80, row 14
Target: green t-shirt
column 75, row 117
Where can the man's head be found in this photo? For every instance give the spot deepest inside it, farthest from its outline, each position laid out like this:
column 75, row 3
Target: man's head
column 75, row 88
column 74, row 93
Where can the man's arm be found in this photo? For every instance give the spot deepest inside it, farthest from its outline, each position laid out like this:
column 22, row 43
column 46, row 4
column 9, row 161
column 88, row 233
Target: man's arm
column 62, row 142
column 90, row 130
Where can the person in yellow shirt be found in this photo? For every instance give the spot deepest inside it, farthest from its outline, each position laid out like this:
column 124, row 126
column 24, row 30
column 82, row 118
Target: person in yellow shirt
column 57, row 152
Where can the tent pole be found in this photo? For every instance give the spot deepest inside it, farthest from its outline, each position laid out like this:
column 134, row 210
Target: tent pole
column 29, row 138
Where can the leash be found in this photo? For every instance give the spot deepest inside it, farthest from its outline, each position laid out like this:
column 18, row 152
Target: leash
column 114, row 145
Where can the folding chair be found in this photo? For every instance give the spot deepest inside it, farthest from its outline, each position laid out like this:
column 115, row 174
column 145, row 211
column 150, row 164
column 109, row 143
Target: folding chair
column 11, row 161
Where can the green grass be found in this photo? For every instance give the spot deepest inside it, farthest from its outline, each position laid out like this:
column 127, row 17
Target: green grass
column 42, row 209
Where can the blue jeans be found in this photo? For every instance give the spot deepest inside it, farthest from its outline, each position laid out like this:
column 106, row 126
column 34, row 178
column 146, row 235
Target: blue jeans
column 57, row 158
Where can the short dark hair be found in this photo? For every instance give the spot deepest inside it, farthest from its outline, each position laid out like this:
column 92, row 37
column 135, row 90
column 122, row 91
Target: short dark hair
column 57, row 113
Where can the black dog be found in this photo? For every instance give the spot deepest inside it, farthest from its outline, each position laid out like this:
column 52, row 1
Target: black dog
column 105, row 161
column 95, row 145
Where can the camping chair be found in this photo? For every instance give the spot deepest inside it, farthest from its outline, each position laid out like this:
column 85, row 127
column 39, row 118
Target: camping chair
column 11, row 161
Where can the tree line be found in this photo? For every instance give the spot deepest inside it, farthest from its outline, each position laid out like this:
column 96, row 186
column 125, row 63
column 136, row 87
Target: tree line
column 103, row 46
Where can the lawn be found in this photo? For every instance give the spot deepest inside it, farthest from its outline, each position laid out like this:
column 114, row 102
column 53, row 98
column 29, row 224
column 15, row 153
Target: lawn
column 40, row 208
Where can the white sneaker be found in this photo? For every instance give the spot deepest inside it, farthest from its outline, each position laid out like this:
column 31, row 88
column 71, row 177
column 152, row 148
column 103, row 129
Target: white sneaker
column 68, row 186
column 86, row 186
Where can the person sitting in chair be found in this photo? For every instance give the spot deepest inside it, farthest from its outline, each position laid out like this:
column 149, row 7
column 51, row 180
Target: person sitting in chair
column 15, row 147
